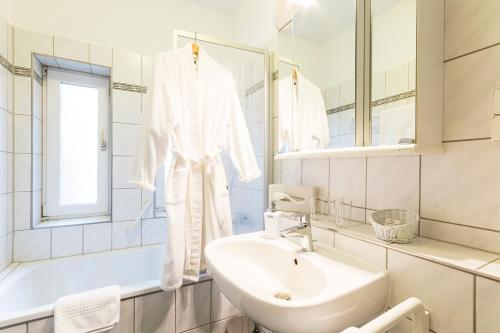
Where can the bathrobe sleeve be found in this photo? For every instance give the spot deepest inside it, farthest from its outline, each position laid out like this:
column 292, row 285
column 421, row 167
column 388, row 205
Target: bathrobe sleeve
column 155, row 131
column 238, row 140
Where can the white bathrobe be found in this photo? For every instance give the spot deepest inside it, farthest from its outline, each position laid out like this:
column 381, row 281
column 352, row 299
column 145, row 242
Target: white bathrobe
column 196, row 111
column 303, row 122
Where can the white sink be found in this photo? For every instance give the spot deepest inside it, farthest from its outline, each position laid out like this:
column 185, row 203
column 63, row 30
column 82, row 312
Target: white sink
column 328, row 289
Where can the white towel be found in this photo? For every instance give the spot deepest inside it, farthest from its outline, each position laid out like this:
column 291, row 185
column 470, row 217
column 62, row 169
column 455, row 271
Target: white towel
column 93, row 311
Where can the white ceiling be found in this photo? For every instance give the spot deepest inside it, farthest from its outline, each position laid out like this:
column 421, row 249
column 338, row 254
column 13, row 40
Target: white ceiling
column 326, row 18
column 226, row 7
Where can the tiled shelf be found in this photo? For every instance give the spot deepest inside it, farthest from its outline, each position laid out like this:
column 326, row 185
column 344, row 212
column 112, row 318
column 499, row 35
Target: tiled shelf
column 492, row 270
column 475, row 261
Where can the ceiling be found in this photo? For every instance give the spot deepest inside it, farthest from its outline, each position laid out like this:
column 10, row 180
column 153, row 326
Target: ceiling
column 318, row 22
column 226, row 7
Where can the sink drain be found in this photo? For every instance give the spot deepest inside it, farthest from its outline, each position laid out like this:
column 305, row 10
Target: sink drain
column 283, row 296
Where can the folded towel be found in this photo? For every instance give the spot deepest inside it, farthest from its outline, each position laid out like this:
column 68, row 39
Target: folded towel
column 93, row 311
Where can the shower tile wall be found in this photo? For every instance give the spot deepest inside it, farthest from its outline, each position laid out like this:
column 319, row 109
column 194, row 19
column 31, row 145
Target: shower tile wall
column 125, row 228
column 341, row 123
column 247, row 204
column 340, row 99
column 6, row 144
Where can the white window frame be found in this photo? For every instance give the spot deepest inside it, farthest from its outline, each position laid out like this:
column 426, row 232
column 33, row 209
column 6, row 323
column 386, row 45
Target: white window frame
column 160, row 180
column 52, row 209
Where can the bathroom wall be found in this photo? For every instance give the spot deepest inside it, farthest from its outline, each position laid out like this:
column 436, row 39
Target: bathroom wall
column 246, row 30
column 32, row 240
column 125, row 227
column 6, row 143
column 456, row 194
column 138, row 26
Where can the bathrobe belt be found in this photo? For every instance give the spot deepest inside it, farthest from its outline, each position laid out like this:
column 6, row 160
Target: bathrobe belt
column 208, row 165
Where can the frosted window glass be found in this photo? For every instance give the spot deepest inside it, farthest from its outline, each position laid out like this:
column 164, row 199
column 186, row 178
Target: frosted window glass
column 78, row 144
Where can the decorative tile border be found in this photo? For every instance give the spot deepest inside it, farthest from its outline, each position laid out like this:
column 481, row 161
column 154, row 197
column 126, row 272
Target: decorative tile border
column 387, row 100
column 341, row 108
column 22, row 71
column 130, row 87
column 394, row 98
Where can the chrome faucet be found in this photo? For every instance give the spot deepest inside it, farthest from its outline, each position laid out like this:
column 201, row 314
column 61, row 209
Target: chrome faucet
column 302, row 230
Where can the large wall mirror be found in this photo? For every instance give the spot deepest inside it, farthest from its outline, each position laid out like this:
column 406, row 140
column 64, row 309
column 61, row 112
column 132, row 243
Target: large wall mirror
column 348, row 74
column 316, row 87
column 393, row 71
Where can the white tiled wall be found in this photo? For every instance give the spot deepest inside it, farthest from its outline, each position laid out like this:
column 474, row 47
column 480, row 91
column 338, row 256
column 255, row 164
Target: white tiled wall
column 447, row 292
column 126, row 227
column 449, row 297
column 6, row 147
column 23, row 153
column 456, row 193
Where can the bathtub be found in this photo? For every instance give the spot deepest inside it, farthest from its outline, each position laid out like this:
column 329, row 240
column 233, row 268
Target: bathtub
column 29, row 291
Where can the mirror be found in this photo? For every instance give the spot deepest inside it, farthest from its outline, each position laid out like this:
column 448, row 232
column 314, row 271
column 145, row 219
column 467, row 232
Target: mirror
column 393, row 40
column 316, row 87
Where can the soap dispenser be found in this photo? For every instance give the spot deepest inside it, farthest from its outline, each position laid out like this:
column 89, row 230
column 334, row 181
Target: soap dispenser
column 272, row 222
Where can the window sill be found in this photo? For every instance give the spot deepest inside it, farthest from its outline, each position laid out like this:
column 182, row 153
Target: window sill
column 53, row 222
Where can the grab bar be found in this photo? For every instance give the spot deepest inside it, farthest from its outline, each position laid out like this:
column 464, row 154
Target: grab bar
column 411, row 307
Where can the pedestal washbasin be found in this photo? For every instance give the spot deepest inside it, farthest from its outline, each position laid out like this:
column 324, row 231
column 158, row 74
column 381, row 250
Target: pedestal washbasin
column 287, row 290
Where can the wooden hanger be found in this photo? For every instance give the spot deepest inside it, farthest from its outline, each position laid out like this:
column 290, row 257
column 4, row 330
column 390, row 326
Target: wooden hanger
column 195, row 48
column 294, row 75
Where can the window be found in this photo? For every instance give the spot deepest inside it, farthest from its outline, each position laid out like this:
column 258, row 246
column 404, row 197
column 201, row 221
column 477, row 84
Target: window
column 76, row 164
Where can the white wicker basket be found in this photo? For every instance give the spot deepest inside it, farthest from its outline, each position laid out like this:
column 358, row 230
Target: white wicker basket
column 394, row 225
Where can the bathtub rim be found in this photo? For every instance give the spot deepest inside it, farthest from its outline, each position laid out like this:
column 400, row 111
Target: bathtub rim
column 8, row 319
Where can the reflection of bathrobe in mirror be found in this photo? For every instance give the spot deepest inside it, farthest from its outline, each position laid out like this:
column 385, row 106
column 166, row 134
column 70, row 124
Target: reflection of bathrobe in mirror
column 197, row 111
column 303, row 123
